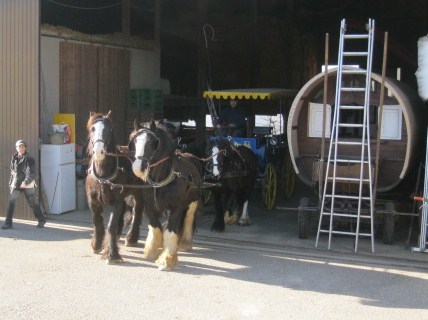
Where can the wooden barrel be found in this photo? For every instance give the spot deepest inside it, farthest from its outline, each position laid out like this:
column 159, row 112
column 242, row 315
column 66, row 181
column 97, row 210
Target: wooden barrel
column 404, row 121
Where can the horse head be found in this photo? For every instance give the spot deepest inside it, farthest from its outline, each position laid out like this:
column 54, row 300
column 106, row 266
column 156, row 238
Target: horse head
column 217, row 150
column 152, row 145
column 100, row 131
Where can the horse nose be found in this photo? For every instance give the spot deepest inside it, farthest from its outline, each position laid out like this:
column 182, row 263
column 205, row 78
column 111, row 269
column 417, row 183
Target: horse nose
column 139, row 165
column 99, row 151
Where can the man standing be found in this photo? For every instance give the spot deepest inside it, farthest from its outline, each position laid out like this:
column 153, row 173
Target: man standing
column 22, row 175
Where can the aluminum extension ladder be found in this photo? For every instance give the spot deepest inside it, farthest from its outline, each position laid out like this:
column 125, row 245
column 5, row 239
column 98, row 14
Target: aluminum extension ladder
column 350, row 205
column 212, row 111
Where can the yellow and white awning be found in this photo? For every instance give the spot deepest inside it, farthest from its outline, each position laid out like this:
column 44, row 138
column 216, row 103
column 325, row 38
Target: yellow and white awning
column 258, row 93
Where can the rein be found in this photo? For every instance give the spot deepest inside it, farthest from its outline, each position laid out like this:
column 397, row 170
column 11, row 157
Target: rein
column 190, row 155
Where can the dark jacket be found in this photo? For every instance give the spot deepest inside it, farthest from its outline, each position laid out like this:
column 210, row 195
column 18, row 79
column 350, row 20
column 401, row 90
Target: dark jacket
column 234, row 116
column 22, row 169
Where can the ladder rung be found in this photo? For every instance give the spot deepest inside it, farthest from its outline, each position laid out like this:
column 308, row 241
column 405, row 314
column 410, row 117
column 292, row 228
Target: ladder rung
column 355, row 54
column 349, row 179
column 353, row 70
column 356, row 36
column 351, row 107
column 350, row 161
column 352, row 89
column 350, row 125
column 351, row 143
column 340, row 196
column 345, row 215
column 346, row 233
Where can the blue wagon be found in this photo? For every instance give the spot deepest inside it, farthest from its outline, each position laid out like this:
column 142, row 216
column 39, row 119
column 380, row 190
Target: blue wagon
column 271, row 148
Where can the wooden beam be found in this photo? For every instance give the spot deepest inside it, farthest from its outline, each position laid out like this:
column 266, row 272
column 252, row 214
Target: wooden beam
column 126, row 17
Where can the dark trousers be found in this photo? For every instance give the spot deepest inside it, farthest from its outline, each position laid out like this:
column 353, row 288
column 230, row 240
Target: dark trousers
column 30, row 195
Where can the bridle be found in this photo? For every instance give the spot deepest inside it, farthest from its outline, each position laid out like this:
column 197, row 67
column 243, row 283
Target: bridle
column 172, row 174
column 91, row 169
column 142, row 158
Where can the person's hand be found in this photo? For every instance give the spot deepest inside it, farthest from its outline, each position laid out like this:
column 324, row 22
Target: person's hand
column 23, row 185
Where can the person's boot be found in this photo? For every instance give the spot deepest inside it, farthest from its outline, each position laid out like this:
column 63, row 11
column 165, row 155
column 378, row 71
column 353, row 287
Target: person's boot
column 7, row 226
column 41, row 223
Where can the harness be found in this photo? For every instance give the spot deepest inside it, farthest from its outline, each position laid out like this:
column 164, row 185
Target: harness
column 227, row 175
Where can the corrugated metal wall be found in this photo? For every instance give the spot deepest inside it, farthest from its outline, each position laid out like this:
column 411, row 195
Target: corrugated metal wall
column 94, row 78
column 19, row 88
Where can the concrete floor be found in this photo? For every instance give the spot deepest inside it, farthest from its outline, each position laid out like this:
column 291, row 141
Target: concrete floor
column 277, row 228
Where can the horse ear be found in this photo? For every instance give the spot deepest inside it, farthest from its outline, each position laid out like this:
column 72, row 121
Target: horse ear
column 108, row 114
column 91, row 113
column 152, row 125
column 136, row 125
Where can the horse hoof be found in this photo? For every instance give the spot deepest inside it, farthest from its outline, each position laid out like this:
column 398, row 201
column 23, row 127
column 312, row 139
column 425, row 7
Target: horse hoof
column 164, row 268
column 185, row 247
column 166, row 262
column 129, row 243
column 217, row 228
column 97, row 251
column 113, row 261
column 244, row 223
column 152, row 256
column 230, row 219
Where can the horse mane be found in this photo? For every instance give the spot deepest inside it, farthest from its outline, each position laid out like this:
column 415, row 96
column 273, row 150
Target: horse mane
column 167, row 145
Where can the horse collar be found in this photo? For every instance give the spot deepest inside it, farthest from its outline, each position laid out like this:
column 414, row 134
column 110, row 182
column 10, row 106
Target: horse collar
column 163, row 183
column 108, row 179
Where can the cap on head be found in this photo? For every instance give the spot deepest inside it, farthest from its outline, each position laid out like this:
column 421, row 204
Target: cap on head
column 19, row 142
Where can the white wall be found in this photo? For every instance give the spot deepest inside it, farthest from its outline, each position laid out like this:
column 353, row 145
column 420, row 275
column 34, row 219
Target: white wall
column 145, row 73
column 49, row 83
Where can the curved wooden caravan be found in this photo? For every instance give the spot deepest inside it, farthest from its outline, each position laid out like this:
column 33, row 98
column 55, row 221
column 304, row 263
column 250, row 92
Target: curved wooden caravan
column 403, row 127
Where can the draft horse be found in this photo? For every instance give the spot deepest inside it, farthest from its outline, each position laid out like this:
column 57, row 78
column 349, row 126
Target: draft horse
column 171, row 199
column 109, row 183
column 234, row 170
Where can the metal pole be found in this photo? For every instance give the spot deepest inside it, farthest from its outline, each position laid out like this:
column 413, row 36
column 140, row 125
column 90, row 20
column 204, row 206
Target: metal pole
column 424, row 218
column 379, row 121
column 321, row 162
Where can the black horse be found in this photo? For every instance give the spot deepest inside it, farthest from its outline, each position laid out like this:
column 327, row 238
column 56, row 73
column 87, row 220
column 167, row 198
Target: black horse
column 172, row 199
column 109, row 183
column 234, row 170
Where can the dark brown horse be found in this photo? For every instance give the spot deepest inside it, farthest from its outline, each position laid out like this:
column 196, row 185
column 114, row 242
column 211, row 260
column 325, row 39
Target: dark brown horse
column 108, row 173
column 173, row 194
column 234, row 170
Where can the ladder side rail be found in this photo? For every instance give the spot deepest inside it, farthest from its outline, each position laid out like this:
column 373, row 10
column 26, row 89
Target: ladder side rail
column 212, row 111
column 366, row 132
column 332, row 135
column 336, row 125
column 371, row 193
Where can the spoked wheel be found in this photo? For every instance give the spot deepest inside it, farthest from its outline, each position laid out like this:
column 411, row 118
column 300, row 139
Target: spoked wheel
column 289, row 176
column 269, row 187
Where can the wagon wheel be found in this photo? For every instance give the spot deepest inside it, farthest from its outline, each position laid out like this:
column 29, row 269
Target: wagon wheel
column 288, row 176
column 269, row 187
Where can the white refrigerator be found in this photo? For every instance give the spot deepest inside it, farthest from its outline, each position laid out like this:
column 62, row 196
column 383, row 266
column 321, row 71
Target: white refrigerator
column 58, row 170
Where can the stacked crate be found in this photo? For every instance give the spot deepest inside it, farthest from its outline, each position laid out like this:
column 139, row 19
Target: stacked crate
column 143, row 105
column 151, row 106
